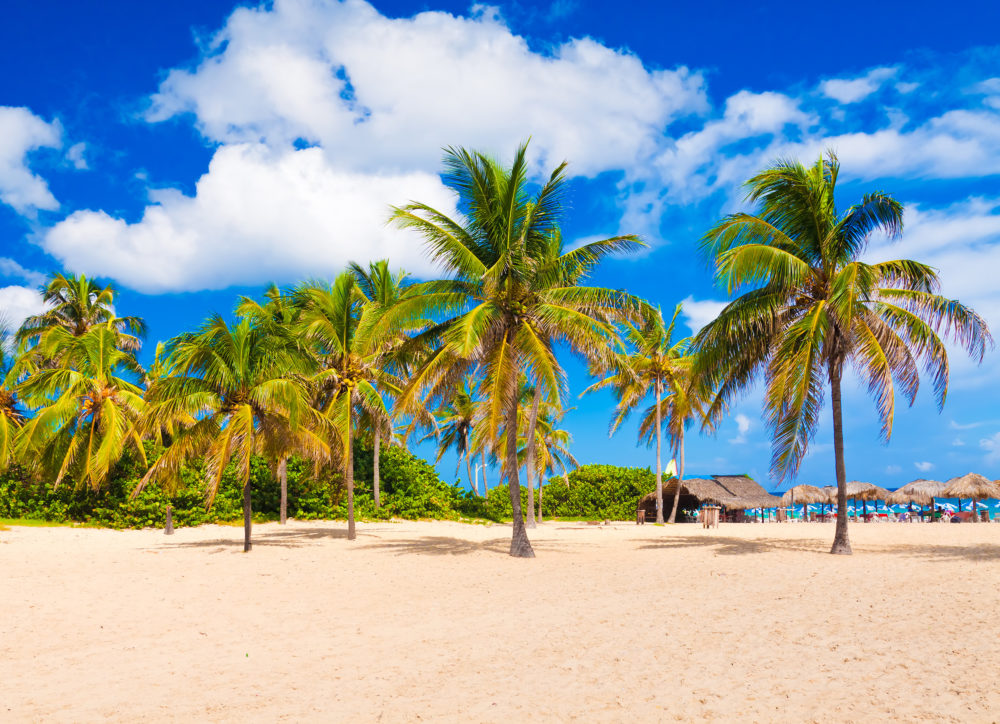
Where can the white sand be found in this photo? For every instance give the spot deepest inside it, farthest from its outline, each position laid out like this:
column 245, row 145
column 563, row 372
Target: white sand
column 433, row 621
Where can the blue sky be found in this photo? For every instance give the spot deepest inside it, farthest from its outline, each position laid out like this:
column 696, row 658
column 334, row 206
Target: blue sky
column 192, row 151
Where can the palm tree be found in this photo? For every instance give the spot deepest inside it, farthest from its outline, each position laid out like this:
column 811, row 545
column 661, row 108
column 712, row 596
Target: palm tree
column 348, row 339
column 76, row 304
column 86, row 408
column 454, row 429
column 810, row 306
column 278, row 311
column 11, row 415
column 551, row 448
column 246, row 385
column 655, row 364
column 512, row 292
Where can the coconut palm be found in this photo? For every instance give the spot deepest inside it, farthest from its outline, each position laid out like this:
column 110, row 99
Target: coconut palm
column 85, row 407
column 551, row 448
column 809, row 306
column 278, row 311
column 513, row 291
column 11, row 415
column 455, row 423
column 76, row 304
column 349, row 339
column 246, row 386
column 653, row 364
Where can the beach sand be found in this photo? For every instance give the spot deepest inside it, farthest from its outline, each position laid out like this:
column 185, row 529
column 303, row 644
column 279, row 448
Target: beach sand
column 433, row 621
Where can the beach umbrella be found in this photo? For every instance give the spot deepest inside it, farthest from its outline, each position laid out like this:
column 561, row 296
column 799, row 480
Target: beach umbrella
column 920, row 491
column 803, row 494
column 971, row 485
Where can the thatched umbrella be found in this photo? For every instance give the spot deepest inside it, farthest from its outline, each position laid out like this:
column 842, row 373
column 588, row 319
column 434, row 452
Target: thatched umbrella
column 920, row 491
column 971, row 485
column 804, row 494
column 862, row 491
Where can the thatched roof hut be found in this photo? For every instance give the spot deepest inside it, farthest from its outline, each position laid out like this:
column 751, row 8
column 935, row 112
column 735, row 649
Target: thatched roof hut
column 733, row 492
column 920, row 491
column 971, row 485
column 804, row 494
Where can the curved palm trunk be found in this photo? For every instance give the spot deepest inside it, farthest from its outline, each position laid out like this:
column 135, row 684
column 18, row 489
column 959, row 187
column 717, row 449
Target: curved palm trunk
column 565, row 474
column 529, row 462
column 468, row 469
column 520, row 546
column 375, row 463
column 283, row 479
column 680, row 473
column 349, row 469
column 841, row 543
column 540, row 483
column 247, row 516
column 659, row 460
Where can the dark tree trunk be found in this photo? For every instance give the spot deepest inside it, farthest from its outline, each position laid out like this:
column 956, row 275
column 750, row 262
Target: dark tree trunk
column 375, row 463
column 247, row 520
column 283, row 478
column 520, row 546
column 841, row 542
column 168, row 529
column 529, row 458
column 659, row 460
column 349, row 469
column 680, row 474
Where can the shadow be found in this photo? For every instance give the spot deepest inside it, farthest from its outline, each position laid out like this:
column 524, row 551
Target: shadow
column 728, row 546
column 293, row 538
column 446, row 546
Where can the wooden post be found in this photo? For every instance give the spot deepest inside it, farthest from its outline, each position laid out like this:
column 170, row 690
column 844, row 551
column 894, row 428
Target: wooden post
column 169, row 529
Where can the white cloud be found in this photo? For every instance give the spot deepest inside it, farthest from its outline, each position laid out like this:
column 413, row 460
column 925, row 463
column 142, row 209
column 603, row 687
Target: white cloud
column 924, row 467
column 698, row 313
column 958, row 442
column 10, row 268
column 74, row 154
column 743, row 427
column 852, row 90
column 257, row 216
column 992, row 447
column 383, row 93
column 893, row 469
column 20, row 133
column 17, row 303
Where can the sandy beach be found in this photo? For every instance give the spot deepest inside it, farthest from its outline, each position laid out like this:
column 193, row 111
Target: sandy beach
column 433, row 621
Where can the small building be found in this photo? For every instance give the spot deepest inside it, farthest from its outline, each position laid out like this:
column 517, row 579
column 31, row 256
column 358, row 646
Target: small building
column 735, row 493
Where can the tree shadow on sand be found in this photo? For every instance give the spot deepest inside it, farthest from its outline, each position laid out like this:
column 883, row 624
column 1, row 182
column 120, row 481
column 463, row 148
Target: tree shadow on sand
column 728, row 546
column 287, row 538
column 448, row 546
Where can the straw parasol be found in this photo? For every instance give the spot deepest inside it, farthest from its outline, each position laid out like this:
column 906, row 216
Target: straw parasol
column 804, row 494
column 920, row 491
column 971, row 485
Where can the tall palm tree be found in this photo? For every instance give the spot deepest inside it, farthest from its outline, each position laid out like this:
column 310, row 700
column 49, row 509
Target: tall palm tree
column 246, row 385
column 348, row 339
column 86, row 407
column 277, row 311
column 513, row 291
column 810, row 306
column 653, row 364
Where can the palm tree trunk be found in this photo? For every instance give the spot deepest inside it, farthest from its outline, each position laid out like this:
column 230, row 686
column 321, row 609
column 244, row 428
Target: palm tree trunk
column 468, row 469
column 349, row 469
column 841, row 542
column 375, row 463
column 565, row 474
column 283, row 478
column 247, row 519
column 520, row 546
column 680, row 473
column 529, row 458
column 486, row 488
column 540, row 483
column 659, row 460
